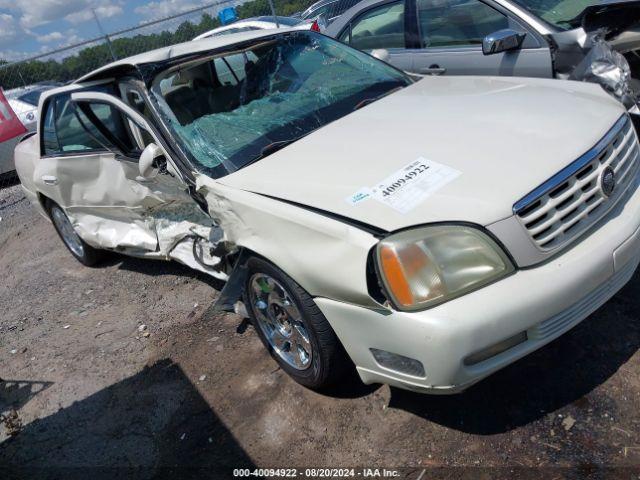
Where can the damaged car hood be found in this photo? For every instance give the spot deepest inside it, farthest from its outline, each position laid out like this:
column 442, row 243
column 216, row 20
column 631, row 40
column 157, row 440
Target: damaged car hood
column 468, row 148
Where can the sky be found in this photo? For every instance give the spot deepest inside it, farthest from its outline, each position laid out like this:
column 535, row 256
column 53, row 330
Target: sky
column 31, row 27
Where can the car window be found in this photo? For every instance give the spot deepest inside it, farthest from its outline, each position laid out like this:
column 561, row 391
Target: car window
column 564, row 14
column 447, row 23
column 68, row 129
column 380, row 27
column 70, row 134
column 135, row 100
column 32, row 97
column 230, row 69
column 111, row 118
column 49, row 138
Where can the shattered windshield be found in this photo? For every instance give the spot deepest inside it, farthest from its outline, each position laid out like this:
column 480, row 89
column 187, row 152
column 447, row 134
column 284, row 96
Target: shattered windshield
column 230, row 110
column 560, row 13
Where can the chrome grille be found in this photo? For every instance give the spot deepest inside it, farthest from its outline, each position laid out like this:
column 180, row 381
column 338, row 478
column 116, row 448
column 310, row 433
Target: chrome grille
column 573, row 200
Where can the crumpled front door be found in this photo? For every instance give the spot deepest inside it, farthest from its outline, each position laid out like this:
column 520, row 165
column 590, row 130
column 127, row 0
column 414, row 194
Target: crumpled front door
column 102, row 198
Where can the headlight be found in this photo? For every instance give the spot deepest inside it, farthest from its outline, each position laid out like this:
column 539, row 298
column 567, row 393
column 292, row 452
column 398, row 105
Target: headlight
column 426, row 266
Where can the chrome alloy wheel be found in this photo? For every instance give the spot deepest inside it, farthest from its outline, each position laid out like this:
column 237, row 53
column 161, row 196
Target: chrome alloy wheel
column 280, row 321
column 67, row 232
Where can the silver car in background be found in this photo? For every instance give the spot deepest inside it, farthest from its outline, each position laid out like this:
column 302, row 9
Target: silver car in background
column 571, row 39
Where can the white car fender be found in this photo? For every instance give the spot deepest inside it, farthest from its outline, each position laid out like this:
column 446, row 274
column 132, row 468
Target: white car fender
column 325, row 256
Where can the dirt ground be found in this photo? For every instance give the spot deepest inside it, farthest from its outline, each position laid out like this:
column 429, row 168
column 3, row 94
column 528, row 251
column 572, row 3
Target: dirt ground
column 98, row 395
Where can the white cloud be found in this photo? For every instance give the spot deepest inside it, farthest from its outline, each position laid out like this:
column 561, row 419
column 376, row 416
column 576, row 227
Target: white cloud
column 50, row 37
column 165, row 8
column 21, row 20
column 58, row 39
column 10, row 31
column 11, row 55
column 8, row 26
column 72, row 40
column 103, row 11
column 34, row 13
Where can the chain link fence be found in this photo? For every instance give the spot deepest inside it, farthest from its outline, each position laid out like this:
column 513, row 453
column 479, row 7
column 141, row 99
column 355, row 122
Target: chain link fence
column 23, row 81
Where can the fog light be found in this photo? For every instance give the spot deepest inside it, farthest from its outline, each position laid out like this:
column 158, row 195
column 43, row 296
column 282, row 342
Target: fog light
column 399, row 363
column 496, row 349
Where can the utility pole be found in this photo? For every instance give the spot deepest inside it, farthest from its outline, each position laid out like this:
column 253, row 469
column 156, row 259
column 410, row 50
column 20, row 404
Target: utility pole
column 273, row 12
column 106, row 37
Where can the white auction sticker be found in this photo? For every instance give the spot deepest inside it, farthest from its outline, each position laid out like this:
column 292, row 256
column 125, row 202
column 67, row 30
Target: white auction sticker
column 412, row 184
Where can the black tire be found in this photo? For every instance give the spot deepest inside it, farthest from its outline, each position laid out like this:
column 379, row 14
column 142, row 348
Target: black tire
column 87, row 255
column 329, row 361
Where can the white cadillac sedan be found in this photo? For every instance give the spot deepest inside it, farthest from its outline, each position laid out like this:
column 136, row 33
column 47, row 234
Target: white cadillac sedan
column 430, row 232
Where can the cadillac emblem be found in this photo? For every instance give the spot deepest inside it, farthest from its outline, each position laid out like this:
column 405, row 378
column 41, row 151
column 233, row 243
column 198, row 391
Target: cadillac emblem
column 608, row 182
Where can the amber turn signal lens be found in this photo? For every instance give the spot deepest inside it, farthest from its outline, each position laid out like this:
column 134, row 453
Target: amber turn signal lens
column 395, row 276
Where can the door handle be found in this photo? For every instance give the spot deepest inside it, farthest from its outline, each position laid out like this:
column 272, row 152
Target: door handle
column 50, row 180
column 433, row 70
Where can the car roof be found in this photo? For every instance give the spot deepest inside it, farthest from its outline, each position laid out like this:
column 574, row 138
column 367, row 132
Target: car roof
column 263, row 22
column 180, row 50
column 281, row 19
column 321, row 3
column 250, row 22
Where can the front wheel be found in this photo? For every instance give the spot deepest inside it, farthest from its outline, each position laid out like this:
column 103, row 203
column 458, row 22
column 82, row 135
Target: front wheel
column 84, row 253
column 292, row 327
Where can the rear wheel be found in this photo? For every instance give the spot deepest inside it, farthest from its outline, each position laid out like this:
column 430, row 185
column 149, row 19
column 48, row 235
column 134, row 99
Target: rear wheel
column 84, row 253
column 292, row 327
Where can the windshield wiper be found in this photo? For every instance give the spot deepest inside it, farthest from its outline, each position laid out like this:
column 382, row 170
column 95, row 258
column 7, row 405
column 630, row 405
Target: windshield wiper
column 272, row 148
column 367, row 101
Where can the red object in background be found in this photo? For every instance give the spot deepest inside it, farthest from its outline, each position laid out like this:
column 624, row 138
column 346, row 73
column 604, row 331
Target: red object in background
column 315, row 27
column 10, row 124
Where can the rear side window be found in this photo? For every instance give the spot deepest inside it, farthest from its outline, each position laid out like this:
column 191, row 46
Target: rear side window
column 32, row 97
column 380, row 27
column 67, row 129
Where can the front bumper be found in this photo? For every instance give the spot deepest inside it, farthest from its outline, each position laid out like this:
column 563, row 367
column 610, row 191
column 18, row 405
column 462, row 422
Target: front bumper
column 544, row 301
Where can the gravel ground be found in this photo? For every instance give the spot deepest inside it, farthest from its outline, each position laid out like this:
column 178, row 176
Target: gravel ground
column 125, row 368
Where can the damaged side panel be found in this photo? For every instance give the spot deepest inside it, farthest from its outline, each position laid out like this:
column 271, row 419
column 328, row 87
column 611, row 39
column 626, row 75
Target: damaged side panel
column 590, row 57
column 326, row 257
column 186, row 234
column 112, row 208
column 101, row 198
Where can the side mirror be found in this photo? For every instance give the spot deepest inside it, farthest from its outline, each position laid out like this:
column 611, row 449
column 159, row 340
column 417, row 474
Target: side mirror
column 147, row 164
column 381, row 54
column 502, row 41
